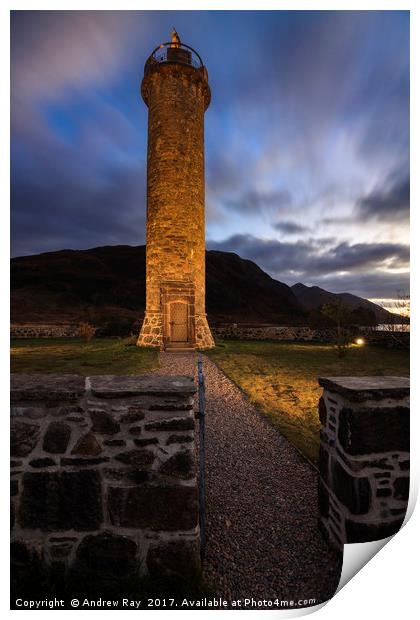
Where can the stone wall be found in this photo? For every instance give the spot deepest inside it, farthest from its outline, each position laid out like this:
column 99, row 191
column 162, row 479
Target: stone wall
column 364, row 458
column 272, row 332
column 389, row 339
column 308, row 334
column 33, row 330
column 103, row 475
column 227, row 331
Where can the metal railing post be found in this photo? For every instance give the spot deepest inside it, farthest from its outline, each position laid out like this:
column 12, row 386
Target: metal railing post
column 202, row 487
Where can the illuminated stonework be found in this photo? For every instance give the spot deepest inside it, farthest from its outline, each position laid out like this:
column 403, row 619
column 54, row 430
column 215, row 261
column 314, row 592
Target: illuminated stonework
column 176, row 91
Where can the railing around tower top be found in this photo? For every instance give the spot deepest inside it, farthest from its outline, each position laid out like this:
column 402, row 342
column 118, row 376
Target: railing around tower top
column 174, row 53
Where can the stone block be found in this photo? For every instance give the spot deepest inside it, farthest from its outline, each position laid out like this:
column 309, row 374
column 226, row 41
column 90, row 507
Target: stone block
column 78, row 419
column 138, row 458
column 133, row 476
column 171, row 404
column 354, row 492
column 147, row 441
column 169, row 508
column 383, row 464
column 103, row 423
column 27, row 570
column 23, row 438
column 402, row 488
column 132, row 417
column 114, row 442
column 46, row 387
column 78, row 461
column 179, row 439
column 33, row 413
column 56, row 438
column 108, row 552
column 374, row 430
column 61, row 501
column 113, row 386
column 180, row 465
column 135, row 430
column 60, row 539
column 87, row 446
column 42, row 462
column 174, row 559
column 359, row 389
column 177, row 424
column 72, row 409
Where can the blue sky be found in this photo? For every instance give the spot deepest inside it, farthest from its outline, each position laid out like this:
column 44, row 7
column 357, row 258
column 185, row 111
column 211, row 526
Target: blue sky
column 307, row 137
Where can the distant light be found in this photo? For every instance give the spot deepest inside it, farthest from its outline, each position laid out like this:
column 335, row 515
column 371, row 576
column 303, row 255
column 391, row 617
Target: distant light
column 360, row 342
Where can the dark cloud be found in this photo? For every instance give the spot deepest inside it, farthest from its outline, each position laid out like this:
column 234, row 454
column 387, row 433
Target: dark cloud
column 316, row 258
column 290, row 228
column 254, row 201
column 347, row 257
column 60, row 214
column 371, row 284
column 392, row 203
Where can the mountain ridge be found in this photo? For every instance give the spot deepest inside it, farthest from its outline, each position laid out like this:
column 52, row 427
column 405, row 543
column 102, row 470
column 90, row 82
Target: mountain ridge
column 313, row 297
column 95, row 284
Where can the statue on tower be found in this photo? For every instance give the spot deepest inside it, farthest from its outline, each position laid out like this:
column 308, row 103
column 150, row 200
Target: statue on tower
column 176, row 41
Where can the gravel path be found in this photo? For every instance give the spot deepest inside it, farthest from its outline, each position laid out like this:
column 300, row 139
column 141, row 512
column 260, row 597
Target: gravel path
column 261, row 501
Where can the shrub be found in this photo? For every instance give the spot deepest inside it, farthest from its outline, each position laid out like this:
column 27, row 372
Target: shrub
column 86, row 331
column 340, row 314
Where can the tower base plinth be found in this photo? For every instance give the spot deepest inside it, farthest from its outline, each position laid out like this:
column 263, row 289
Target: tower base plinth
column 153, row 333
column 203, row 334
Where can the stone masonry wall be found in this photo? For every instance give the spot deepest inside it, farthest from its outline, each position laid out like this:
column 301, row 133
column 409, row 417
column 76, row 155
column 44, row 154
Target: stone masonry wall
column 364, row 458
column 153, row 328
column 103, row 475
column 272, row 332
column 33, row 330
column 389, row 339
column 307, row 334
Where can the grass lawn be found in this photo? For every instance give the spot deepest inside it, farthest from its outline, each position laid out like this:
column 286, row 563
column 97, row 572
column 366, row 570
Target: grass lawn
column 100, row 356
column 281, row 379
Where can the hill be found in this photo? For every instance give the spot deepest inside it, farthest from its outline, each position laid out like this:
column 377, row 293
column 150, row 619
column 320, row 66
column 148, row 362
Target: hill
column 314, row 297
column 108, row 283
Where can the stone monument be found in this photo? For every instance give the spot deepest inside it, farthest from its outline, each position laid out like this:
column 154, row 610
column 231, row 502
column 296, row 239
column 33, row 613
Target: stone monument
column 176, row 91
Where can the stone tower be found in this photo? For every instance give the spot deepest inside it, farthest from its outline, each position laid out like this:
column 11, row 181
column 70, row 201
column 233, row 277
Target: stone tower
column 176, row 91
